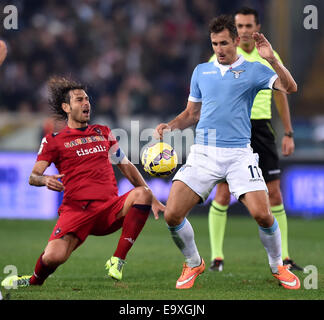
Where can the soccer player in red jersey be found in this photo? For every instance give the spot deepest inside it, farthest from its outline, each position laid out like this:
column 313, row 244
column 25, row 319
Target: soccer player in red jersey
column 83, row 155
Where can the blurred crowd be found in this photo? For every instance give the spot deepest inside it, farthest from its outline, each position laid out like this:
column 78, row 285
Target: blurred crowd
column 135, row 56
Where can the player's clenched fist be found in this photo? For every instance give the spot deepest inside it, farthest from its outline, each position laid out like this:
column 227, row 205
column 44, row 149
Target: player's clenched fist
column 52, row 182
column 161, row 129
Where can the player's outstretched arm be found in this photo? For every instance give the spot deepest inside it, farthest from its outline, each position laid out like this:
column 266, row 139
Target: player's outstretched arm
column 185, row 119
column 285, row 81
column 38, row 179
column 136, row 179
column 3, row 51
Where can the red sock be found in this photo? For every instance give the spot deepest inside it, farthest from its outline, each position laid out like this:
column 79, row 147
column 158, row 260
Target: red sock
column 132, row 226
column 42, row 271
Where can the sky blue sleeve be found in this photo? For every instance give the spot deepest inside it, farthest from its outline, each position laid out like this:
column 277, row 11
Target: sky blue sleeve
column 195, row 93
column 263, row 76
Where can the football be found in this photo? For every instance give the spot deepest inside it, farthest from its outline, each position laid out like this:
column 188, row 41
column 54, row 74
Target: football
column 159, row 160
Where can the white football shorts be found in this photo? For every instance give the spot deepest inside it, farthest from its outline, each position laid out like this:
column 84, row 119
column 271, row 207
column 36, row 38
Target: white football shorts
column 207, row 165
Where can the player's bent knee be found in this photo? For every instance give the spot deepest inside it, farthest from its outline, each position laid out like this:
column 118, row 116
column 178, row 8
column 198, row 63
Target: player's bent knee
column 143, row 195
column 54, row 259
column 173, row 218
column 261, row 214
column 264, row 219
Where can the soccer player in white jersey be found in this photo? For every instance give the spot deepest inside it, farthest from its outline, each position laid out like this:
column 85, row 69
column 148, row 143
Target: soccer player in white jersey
column 220, row 102
column 263, row 142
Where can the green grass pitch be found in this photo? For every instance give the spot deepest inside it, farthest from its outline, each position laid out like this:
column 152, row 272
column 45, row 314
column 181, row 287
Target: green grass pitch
column 154, row 263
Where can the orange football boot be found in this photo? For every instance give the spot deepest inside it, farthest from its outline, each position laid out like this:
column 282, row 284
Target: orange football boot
column 286, row 278
column 189, row 275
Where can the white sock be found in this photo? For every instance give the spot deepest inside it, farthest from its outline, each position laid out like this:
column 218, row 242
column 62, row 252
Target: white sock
column 183, row 236
column 271, row 239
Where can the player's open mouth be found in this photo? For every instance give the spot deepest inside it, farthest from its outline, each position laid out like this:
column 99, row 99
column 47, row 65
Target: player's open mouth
column 86, row 112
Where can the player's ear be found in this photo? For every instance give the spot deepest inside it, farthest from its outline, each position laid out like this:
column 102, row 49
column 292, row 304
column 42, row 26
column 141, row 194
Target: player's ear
column 66, row 107
column 258, row 27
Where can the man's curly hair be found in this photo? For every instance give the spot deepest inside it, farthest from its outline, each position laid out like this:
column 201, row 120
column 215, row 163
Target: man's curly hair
column 59, row 92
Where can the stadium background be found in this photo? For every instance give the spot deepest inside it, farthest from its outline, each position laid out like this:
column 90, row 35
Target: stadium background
column 136, row 58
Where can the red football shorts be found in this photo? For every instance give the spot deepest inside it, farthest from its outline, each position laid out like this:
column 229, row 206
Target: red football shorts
column 85, row 217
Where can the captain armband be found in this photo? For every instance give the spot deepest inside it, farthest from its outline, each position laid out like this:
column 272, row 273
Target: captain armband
column 116, row 157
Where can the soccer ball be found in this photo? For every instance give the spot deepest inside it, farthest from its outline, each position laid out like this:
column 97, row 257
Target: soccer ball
column 159, row 160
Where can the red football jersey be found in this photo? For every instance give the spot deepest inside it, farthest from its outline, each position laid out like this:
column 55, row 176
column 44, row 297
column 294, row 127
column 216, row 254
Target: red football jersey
column 82, row 156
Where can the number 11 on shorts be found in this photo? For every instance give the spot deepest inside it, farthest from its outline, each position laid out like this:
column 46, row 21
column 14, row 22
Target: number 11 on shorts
column 252, row 171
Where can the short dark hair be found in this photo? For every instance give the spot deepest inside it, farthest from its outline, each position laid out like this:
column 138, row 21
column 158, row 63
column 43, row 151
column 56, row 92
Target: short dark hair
column 246, row 10
column 223, row 22
column 59, row 92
